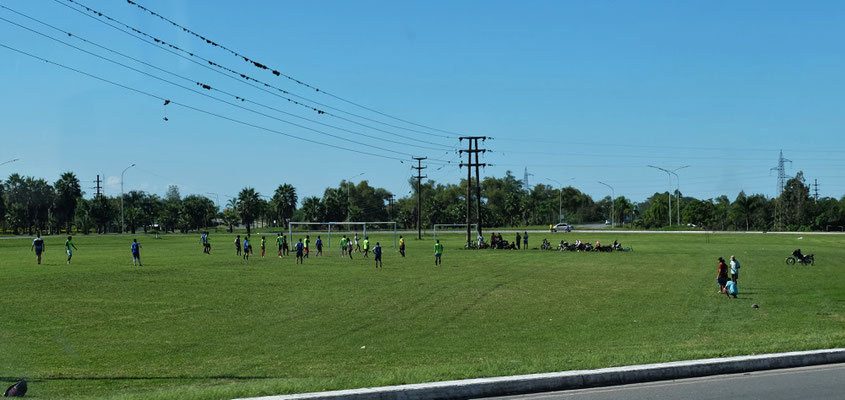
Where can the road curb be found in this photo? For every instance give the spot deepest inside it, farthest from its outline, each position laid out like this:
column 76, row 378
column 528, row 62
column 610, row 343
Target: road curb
column 554, row 381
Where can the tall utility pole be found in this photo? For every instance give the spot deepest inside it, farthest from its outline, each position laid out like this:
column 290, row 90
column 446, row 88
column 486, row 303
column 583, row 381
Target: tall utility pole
column 612, row 210
column 419, row 177
column 781, row 173
column 469, row 164
column 98, row 185
column 669, row 174
column 122, row 226
column 816, row 190
column 678, row 177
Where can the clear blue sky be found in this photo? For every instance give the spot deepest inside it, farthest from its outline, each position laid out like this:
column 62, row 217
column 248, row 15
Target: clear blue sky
column 594, row 90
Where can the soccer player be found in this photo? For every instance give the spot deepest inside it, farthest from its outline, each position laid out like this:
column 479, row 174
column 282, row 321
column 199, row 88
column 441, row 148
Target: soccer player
column 136, row 253
column 68, row 245
column 238, row 245
column 438, row 252
column 343, row 246
column 246, row 247
column 307, row 240
column 357, row 245
column 207, row 244
column 279, row 242
column 202, row 239
column 401, row 246
column 285, row 248
column 525, row 240
column 349, row 249
column 299, row 247
column 377, row 256
column 366, row 246
column 319, row 246
column 263, row 244
column 38, row 246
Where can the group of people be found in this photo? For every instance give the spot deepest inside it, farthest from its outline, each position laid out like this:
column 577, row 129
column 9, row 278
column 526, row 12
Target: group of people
column 497, row 242
column 39, row 248
column 727, row 286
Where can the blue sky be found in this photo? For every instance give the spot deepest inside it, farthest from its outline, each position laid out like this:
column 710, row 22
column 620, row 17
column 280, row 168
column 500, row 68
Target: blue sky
column 591, row 90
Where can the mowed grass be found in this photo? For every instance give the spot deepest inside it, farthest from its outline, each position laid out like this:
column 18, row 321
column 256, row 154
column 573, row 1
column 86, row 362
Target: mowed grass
column 192, row 326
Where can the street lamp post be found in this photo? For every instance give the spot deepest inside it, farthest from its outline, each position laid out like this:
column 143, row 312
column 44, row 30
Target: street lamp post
column 674, row 172
column 348, row 202
column 669, row 174
column 122, row 226
column 612, row 198
column 217, row 197
column 559, row 198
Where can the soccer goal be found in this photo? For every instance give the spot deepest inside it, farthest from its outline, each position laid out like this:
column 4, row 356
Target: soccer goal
column 343, row 228
column 452, row 228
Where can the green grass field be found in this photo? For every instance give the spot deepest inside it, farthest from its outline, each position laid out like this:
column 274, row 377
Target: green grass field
column 189, row 325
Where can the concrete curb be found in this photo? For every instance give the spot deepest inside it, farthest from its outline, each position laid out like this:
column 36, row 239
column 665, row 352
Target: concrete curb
column 554, row 381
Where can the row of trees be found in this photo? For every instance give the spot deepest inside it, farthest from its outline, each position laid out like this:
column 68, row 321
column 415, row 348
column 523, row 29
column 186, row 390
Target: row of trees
column 29, row 204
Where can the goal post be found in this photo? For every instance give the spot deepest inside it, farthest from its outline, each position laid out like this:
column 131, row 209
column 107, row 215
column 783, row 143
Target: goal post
column 341, row 227
column 447, row 226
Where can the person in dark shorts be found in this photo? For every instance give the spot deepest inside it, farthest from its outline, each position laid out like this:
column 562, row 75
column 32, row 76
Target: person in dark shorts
column 38, row 247
column 518, row 240
column 263, row 245
column 238, row 245
column 722, row 275
column 525, row 240
column 306, row 243
column 299, row 247
column 285, row 247
column 319, row 246
column 207, row 243
column 246, row 247
column 279, row 243
column 349, row 248
column 136, row 252
column 402, row 246
column 377, row 255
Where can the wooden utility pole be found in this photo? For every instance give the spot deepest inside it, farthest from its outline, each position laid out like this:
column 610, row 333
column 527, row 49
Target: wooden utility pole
column 469, row 164
column 419, row 177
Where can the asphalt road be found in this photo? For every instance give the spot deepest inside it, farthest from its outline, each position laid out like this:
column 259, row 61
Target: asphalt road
column 816, row 382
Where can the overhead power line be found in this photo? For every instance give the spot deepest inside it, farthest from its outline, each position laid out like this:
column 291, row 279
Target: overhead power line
column 192, row 81
column 199, row 110
column 95, row 14
column 277, row 72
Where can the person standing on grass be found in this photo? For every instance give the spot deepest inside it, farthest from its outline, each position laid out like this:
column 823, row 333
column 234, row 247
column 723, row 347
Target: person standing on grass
column 377, row 255
column 238, row 245
column 319, row 244
column 357, row 244
column 38, row 247
column 722, row 275
column 438, row 253
column 366, row 246
column 307, row 241
column 299, row 248
column 285, row 248
column 349, row 249
column 525, row 240
column 402, row 246
column 518, row 240
column 68, row 245
column 136, row 252
column 343, row 246
column 202, row 239
column 734, row 269
column 250, row 245
column 246, row 247
column 207, row 243
column 263, row 244
column 279, row 243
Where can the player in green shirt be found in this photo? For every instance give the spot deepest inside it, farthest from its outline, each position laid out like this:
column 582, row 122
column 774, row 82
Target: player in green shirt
column 279, row 242
column 68, row 245
column 343, row 246
column 438, row 251
column 366, row 246
column 307, row 241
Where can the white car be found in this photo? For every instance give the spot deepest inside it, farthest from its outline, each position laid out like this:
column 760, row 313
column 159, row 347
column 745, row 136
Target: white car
column 563, row 227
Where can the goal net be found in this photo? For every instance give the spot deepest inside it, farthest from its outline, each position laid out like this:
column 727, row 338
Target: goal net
column 338, row 229
column 453, row 228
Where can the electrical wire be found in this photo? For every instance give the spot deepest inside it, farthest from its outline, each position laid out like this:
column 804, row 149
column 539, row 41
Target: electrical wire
column 161, row 42
column 196, row 109
column 278, row 73
column 207, row 87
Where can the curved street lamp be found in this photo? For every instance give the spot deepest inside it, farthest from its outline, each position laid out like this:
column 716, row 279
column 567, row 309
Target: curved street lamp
column 612, row 198
column 122, row 226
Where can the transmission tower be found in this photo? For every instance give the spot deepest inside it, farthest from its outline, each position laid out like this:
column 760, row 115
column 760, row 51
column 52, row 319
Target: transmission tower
column 816, row 190
column 525, row 180
column 781, row 173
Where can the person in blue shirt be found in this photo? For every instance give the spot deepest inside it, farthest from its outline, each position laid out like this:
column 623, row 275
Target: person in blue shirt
column 136, row 253
column 730, row 289
column 377, row 255
column 319, row 246
column 38, row 246
column 299, row 247
column 246, row 248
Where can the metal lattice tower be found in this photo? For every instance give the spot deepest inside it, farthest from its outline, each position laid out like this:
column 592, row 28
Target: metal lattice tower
column 525, row 180
column 781, row 172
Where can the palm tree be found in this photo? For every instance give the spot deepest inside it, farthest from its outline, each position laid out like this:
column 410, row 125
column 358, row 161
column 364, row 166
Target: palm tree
column 284, row 202
column 68, row 192
column 249, row 206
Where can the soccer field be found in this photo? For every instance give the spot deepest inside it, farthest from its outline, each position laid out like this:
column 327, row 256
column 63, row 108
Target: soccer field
column 197, row 326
